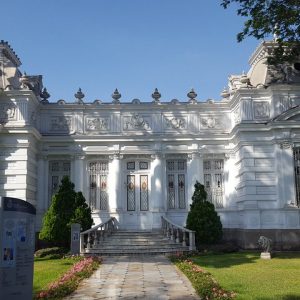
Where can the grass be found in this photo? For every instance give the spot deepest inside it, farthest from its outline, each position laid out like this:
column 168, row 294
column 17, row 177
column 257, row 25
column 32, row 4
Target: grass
column 49, row 270
column 253, row 278
column 56, row 278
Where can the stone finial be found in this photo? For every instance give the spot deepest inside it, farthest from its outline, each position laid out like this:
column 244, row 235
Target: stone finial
column 79, row 95
column 192, row 95
column 44, row 95
column 244, row 79
column 156, row 95
column 225, row 93
column 116, row 96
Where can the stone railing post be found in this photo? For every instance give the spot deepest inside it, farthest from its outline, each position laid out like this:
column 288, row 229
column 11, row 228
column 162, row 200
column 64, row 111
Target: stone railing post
column 192, row 246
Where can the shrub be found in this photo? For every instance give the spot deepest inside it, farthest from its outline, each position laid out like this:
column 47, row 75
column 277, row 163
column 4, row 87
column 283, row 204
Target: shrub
column 66, row 207
column 54, row 252
column 68, row 283
column 203, row 218
column 203, row 282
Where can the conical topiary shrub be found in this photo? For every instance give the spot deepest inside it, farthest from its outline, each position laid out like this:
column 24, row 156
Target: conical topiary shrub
column 203, row 218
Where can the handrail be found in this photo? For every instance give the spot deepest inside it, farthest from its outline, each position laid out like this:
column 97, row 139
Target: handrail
column 176, row 225
column 92, row 237
column 178, row 233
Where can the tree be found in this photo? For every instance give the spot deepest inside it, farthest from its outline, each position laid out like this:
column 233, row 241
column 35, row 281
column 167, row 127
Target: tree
column 66, row 207
column 267, row 17
column 203, row 218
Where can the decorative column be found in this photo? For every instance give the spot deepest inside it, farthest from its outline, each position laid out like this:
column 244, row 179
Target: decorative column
column 194, row 173
column 42, row 187
column 285, row 171
column 78, row 172
column 114, row 183
column 157, row 200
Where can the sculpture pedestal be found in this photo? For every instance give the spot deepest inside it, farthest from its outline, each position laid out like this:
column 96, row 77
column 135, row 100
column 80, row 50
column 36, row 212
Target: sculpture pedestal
column 265, row 255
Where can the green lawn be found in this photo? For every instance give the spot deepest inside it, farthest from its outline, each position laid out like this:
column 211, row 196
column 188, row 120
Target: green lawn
column 253, row 278
column 48, row 270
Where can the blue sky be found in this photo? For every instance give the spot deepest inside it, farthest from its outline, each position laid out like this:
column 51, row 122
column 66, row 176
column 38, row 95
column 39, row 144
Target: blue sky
column 132, row 45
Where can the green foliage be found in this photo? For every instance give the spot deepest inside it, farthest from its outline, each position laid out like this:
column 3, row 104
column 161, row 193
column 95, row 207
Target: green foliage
column 51, row 253
column 264, row 18
column 67, row 207
column 203, row 282
column 82, row 213
column 203, row 218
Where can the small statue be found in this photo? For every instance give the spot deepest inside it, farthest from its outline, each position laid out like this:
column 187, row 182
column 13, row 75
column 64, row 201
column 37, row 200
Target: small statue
column 265, row 243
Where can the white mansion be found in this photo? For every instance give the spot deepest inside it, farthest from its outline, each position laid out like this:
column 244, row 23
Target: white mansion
column 138, row 161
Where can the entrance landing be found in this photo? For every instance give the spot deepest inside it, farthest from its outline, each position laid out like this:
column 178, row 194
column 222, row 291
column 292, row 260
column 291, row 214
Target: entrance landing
column 140, row 277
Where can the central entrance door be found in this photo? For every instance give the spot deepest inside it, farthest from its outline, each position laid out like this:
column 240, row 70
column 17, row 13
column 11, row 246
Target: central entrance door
column 138, row 214
column 137, row 192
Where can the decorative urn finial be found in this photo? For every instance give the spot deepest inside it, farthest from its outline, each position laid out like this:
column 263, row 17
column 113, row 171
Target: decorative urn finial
column 192, row 95
column 156, row 96
column 44, row 95
column 244, row 79
column 116, row 96
column 225, row 93
column 79, row 95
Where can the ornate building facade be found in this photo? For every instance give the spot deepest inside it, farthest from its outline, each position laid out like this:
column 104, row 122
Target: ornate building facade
column 138, row 161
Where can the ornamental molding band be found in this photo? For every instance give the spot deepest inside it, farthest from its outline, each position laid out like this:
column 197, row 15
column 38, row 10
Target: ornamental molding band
column 97, row 124
column 175, row 123
column 261, row 109
column 136, row 122
column 7, row 112
column 61, row 124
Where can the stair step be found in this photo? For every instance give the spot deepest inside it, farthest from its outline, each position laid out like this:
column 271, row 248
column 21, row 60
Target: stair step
column 136, row 243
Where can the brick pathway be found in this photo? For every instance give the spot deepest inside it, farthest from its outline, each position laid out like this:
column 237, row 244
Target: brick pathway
column 136, row 277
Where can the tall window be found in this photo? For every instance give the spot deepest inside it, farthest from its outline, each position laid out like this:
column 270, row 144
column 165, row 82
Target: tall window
column 57, row 170
column 176, row 170
column 297, row 174
column 214, row 181
column 98, row 185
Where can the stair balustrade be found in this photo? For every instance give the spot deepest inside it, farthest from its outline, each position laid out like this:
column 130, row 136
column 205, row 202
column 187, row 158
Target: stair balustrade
column 92, row 238
column 178, row 233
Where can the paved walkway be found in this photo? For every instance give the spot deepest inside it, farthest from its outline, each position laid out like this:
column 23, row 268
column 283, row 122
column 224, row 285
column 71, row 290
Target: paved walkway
column 136, row 277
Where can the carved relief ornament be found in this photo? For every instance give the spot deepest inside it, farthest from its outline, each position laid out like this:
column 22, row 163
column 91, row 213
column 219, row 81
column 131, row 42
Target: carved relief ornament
column 261, row 110
column 210, row 122
column 7, row 112
column 94, row 124
column 176, row 123
column 61, row 123
column 136, row 122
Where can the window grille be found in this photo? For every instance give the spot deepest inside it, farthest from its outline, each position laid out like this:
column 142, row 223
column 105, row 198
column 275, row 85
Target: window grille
column 176, row 184
column 297, row 174
column 98, row 185
column 214, row 181
column 57, row 170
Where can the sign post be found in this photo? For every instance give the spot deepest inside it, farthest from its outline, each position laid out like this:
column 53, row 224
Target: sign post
column 17, row 232
column 75, row 238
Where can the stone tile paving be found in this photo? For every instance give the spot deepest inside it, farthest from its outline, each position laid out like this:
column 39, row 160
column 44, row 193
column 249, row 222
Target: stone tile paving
column 136, row 277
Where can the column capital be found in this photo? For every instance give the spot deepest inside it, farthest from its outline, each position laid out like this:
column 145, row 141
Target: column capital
column 194, row 155
column 116, row 155
column 78, row 156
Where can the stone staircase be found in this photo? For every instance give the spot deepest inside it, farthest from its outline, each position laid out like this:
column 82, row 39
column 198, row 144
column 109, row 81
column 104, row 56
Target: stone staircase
column 136, row 243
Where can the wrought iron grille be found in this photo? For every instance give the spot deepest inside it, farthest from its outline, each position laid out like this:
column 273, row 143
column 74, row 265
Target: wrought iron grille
column 214, row 181
column 176, row 183
column 57, row 170
column 297, row 174
column 98, row 185
column 130, row 192
column 144, row 203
